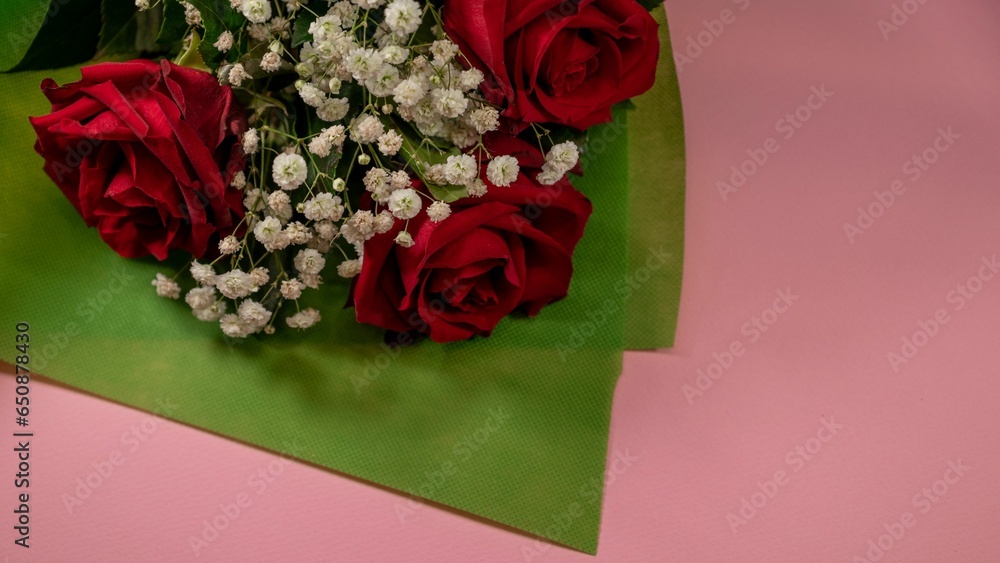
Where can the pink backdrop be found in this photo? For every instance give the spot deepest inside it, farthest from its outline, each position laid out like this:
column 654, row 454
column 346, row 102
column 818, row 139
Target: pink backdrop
column 798, row 437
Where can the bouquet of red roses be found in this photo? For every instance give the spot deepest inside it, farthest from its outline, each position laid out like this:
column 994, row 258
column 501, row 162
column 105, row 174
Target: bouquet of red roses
column 422, row 149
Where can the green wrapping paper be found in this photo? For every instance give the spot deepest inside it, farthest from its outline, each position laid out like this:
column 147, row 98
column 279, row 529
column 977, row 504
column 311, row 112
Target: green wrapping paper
column 512, row 428
column 652, row 286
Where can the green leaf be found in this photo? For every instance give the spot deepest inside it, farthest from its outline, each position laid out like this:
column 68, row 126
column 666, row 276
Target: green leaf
column 148, row 23
column 625, row 105
column 21, row 21
column 650, row 5
column 300, row 31
column 218, row 16
column 192, row 57
column 448, row 194
column 69, row 36
column 118, row 28
column 126, row 31
column 174, row 23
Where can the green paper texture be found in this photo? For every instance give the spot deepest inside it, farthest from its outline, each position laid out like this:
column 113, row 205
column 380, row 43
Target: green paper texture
column 656, row 207
column 512, row 428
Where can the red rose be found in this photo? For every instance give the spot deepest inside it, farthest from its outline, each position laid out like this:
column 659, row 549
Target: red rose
column 510, row 249
column 145, row 152
column 562, row 61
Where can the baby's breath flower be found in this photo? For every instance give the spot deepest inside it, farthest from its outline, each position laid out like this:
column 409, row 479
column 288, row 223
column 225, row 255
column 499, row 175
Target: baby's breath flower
column 435, row 174
column 462, row 136
column 267, row 230
column 403, row 16
column 326, row 230
column 257, row 11
column 399, row 179
column 252, row 200
column 550, row 174
column 271, row 62
column 210, row 314
column 309, row 261
column 333, row 109
column 320, row 146
column 485, row 119
column 563, row 157
column 253, row 314
column 200, row 297
column 349, row 268
column 281, row 28
column 312, row 95
column 233, row 327
column 368, row 4
column 502, row 170
column 277, row 200
column 409, row 92
column 325, row 27
column 258, row 32
column 335, row 134
column 304, row 318
column 376, row 180
column 312, row 281
column 359, row 228
column 449, row 102
column 363, row 63
column 298, row 233
column 292, row 289
column 438, row 211
column 202, row 273
column 405, row 203
column 294, row 5
column 477, row 188
column 191, row 14
column 289, row 170
column 383, row 82
column 394, row 54
column 225, row 41
column 443, row 50
column 259, row 276
column 390, row 142
column 143, row 5
column 367, row 129
column 251, row 141
column 229, row 245
column 234, row 284
column 166, row 287
column 239, row 180
column 383, row 222
column 279, row 242
column 237, row 74
column 404, row 239
column 460, row 169
column 324, row 206
column 305, row 69
column 470, row 79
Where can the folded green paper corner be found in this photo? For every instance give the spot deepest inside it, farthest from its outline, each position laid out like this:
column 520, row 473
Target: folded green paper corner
column 512, row 428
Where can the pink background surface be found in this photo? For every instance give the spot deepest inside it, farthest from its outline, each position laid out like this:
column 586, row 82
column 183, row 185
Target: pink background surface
column 694, row 461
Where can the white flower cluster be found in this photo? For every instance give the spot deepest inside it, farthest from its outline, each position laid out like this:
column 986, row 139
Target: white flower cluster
column 386, row 109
